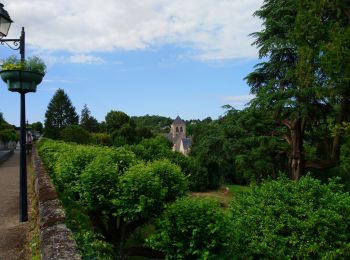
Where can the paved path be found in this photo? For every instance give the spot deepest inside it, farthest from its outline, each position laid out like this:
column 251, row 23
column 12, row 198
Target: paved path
column 12, row 232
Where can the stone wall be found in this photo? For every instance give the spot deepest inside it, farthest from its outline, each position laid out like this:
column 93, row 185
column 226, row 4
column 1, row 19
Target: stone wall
column 56, row 239
column 8, row 145
column 4, row 155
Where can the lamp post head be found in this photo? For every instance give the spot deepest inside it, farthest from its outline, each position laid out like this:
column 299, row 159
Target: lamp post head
column 5, row 21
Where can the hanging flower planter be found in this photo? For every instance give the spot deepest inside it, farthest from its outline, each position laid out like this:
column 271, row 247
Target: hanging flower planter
column 21, row 81
column 22, row 76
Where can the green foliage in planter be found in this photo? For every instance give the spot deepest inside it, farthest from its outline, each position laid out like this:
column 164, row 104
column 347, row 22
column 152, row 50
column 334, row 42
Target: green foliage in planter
column 34, row 64
column 285, row 219
column 193, row 228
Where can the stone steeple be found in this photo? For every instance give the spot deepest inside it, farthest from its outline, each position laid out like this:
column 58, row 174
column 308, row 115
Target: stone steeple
column 178, row 129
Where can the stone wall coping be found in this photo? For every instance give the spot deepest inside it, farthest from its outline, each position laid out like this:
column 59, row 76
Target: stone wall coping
column 56, row 240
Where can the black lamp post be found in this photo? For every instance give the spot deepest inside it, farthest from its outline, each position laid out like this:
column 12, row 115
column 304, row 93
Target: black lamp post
column 18, row 44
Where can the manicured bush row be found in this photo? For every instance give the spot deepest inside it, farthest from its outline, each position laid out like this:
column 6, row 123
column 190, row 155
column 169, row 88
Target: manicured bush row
column 108, row 192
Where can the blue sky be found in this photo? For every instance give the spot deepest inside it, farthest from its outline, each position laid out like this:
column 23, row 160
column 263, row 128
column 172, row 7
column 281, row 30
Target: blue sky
column 160, row 57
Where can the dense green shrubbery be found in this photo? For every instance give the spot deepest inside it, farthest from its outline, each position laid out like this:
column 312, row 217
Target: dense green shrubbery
column 92, row 245
column 197, row 175
column 284, row 219
column 101, row 139
column 110, row 189
column 76, row 134
column 171, row 177
column 113, row 191
column 193, row 228
column 152, row 149
column 50, row 151
column 345, row 156
column 160, row 148
column 7, row 132
column 280, row 219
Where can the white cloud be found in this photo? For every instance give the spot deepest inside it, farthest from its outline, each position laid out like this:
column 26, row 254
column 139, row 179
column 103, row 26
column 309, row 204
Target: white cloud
column 50, row 58
column 58, row 80
column 241, row 99
column 83, row 58
column 215, row 29
column 49, row 89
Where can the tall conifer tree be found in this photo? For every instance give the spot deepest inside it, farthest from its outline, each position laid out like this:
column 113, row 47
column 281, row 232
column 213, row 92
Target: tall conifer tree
column 87, row 121
column 60, row 114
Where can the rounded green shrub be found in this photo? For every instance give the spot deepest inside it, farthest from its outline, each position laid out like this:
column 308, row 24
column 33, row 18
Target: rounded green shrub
column 172, row 179
column 285, row 219
column 192, row 228
column 140, row 194
column 99, row 184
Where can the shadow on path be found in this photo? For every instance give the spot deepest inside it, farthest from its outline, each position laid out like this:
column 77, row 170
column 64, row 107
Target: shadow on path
column 12, row 232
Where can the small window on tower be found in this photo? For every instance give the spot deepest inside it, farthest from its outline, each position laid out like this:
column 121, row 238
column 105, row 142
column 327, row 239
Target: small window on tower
column 180, row 128
column 177, row 129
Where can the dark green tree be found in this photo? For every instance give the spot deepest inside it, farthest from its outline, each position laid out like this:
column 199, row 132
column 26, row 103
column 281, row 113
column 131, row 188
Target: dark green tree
column 60, row 113
column 87, row 121
column 115, row 120
column 273, row 81
column 305, row 76
column 258, row 152
column 76, row 134
column 37, row 126
column 7, row 131
column 240, row 147
column 157, row 124
column 323, row 34
column 126, row 134
column 209, row 151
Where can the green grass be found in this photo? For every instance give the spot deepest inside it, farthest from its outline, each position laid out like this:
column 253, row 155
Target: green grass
column 33, row 247
column 224, row 195
column 237, row 188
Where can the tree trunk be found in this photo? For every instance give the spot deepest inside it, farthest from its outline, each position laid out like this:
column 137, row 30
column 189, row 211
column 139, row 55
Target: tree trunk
column 296, row 160
column 344, row 110
column 119, row 237
column 117, row 231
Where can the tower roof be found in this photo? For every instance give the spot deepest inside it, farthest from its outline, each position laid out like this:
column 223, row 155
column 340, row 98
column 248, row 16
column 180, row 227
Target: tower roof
column 186, row 142
column 178, row 121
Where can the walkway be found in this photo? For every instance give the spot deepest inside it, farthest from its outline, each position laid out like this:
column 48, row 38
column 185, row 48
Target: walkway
column 12, row 232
